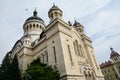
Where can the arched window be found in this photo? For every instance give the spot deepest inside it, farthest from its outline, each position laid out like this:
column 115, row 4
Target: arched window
column 51, row 15
column 27, row 27
column 56, row 14
column 76, row 48
column 70, row 55
column 81, row 50
column 54, row 51
column 42, row 57
column 33, row 26
column 93, row 76
column 85, row 75
column 37, row 26
column 46, row 56
column 40, row 26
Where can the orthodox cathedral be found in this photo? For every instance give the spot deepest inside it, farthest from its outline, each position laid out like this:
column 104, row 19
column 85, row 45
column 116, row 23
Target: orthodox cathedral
column 62, row 45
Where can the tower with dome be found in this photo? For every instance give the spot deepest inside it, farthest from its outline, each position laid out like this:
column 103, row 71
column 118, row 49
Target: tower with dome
column 64, row 46
column 111, row 68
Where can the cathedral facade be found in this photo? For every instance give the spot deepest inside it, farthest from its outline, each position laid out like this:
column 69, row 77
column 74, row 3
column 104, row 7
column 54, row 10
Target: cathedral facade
column 62, row 45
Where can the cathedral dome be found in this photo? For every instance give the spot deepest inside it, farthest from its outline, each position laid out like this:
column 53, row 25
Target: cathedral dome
column 34, row 17
column 113, row 53
column 33, row 26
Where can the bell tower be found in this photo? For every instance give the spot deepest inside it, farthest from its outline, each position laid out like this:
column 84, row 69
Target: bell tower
column 55, row 12
column 79, row 27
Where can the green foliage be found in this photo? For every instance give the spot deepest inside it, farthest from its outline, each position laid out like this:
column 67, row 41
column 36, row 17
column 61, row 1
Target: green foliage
column 9, row 69
column 40, row 71
column 5, row 68
column 15, row 68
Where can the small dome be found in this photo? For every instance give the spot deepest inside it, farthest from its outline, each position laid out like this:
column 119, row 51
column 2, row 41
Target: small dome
column 54, row 7
column 113, row 53
column 77, row 24
column 34, row 17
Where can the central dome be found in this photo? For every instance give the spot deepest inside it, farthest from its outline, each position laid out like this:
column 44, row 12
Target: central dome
column 33, row 26
column 34, row 17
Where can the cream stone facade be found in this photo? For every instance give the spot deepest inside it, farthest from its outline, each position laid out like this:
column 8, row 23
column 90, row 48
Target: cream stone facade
column 60, row 44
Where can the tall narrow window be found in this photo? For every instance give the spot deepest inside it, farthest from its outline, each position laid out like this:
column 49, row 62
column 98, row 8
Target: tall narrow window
column 81, row 50
column 46, row 56
column 95, row 61
column 55, row 54
column 43, row 58
column 75, row 48
column 70, row 54
column 78, row 49
column 40, row 58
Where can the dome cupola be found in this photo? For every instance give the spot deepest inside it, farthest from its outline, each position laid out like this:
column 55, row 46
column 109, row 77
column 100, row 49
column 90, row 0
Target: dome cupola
column 78, row 26
column 55, row 12
column 113, row 53
column 34, row 17
column 114, row 56
column 34, row 25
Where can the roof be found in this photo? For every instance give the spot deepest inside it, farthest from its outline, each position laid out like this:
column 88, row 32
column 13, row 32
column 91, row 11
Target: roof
column 34, row 17
column 106, row 64
column 113, row 53
column 54, row 7
column 77, row 24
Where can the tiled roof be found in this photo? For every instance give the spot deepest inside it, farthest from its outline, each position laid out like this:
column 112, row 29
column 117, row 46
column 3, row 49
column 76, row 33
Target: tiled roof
column 108, row 63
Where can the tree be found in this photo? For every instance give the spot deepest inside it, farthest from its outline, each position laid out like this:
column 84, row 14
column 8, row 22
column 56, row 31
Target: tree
column 40, row 71
column 9, row 69
column 15, row 69
column 5, row 68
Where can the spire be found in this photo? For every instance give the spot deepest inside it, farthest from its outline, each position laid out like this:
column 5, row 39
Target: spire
column 75, row 20
column 76, row 23
column 113, row 53
column 53, row 4
column 111, row 48
column 35, row 12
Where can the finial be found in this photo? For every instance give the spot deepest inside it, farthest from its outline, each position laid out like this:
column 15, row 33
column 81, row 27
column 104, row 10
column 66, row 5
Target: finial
column 26, row 9
column 75, row 20
column 111, row 48
column 35, row 12
column 53, row 4
column 35, row 8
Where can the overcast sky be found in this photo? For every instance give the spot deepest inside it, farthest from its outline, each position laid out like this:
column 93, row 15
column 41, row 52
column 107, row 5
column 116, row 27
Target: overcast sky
column 100, row 18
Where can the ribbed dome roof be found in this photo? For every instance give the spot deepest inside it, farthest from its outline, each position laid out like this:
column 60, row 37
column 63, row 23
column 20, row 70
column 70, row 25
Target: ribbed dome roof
column 113, row 53
column 34, row 17
column 54, row 7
